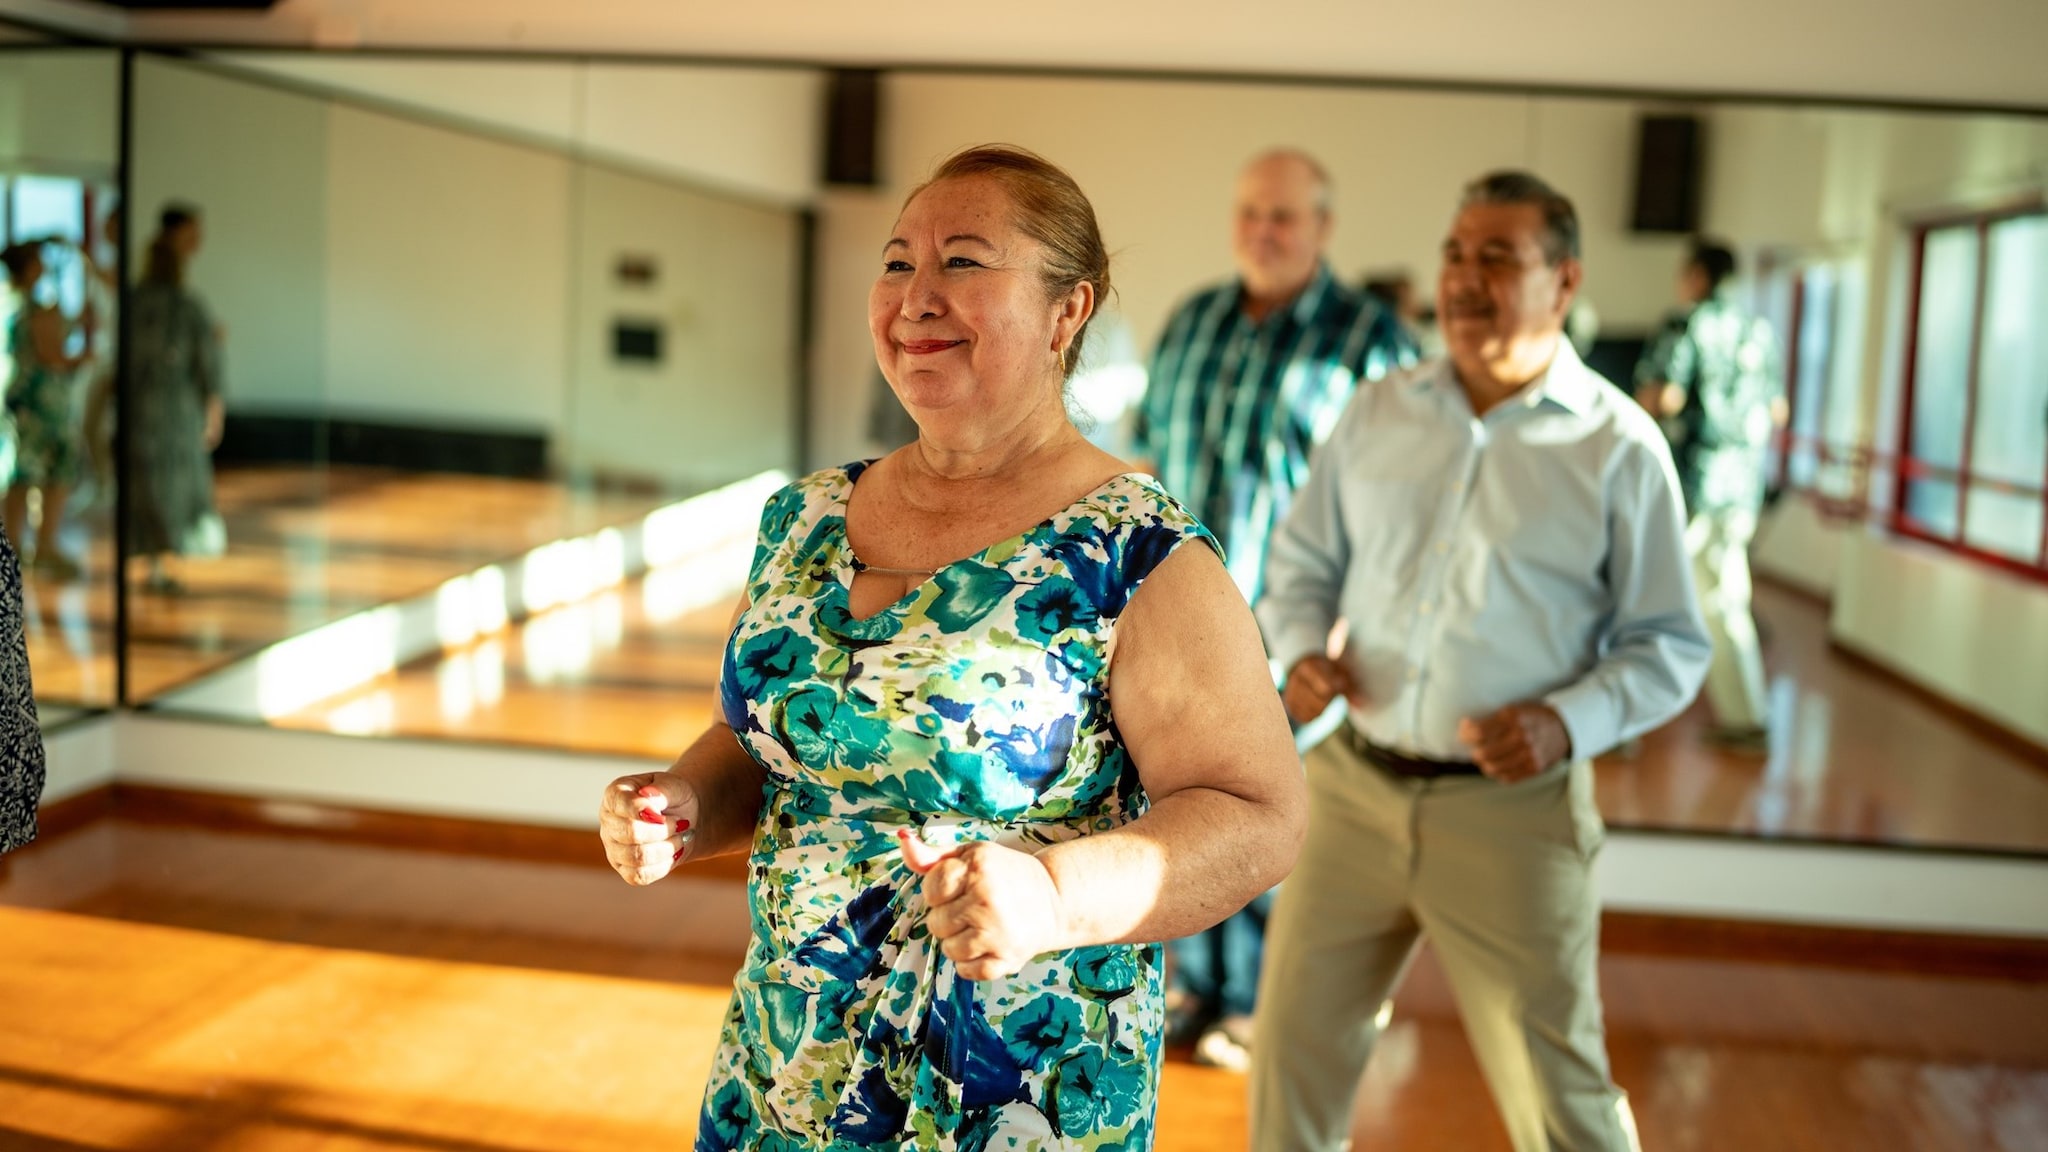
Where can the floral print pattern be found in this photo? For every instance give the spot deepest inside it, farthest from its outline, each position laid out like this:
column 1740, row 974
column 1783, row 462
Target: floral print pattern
column 976, row 707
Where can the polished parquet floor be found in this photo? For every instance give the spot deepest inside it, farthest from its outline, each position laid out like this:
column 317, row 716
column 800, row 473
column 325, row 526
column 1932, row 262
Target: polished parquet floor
column 175, row 986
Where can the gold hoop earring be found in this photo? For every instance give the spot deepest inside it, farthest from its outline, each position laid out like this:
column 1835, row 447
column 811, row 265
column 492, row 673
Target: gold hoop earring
column 1062, row 353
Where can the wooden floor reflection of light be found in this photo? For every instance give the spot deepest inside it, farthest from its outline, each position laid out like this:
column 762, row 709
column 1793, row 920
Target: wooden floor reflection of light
column 305, row 546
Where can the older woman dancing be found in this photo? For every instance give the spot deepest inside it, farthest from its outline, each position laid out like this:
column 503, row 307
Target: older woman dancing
column 989, row 731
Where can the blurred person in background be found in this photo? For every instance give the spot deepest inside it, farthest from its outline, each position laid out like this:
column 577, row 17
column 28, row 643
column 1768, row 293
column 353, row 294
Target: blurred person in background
column 174, row 361
column 47, row 459
column 1710, row 377
column 1248, row 377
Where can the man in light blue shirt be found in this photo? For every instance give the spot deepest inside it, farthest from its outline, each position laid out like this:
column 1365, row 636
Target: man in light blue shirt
column 1488, row 565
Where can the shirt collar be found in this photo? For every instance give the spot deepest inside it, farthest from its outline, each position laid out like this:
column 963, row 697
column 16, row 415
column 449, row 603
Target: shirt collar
column 1567, row 382
column 1309, row 299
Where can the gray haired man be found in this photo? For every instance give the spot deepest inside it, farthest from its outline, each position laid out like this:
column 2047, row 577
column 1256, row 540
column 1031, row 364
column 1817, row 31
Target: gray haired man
column 1501, row 537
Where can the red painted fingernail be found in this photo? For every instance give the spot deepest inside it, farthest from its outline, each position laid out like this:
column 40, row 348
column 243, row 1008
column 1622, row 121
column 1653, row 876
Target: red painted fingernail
column 648, row 790
column 649, row 815
column 682, row 825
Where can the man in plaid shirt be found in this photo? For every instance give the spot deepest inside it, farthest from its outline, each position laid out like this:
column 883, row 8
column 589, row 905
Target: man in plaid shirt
column 1248, row 378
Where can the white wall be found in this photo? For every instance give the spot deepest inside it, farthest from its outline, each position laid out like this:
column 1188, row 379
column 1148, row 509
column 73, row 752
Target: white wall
column 1972, row 634
column 375, row 267
column 448, row 277
column 1764, row 168
column 523, row 98
column 721, row 401
column 752, row 132
column 255, row 162
column 1159, row 161
column 59, row 111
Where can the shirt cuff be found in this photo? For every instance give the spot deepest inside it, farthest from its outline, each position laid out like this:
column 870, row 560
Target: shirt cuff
column 1588, row 717
column 1289, row 643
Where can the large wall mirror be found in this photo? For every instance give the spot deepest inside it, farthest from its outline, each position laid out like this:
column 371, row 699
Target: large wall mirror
column 59, row 176
column 1901, row 258
column 507, row 352
column 506, row 358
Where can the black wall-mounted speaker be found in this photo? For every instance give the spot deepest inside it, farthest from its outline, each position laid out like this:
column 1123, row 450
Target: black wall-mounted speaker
column 853, row 107
column 1669, row 158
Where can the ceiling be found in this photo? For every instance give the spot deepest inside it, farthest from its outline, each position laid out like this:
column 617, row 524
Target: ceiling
column 1976, row 52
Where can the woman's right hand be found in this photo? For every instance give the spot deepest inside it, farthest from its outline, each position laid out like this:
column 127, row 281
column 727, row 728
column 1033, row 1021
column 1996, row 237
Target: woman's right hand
column 647, row 822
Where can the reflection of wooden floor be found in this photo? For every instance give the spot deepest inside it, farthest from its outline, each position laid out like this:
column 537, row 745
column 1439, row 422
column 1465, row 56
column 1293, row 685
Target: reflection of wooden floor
column 1854, row 757
column 613, row 674
column 1858, row 758
column 173, row 987
column 305, row 546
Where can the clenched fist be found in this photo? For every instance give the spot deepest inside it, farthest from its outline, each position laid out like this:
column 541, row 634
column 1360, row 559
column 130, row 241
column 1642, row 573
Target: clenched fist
column 1312, row 683
column 992, row 908
column 1516, row 742
column 646, row 822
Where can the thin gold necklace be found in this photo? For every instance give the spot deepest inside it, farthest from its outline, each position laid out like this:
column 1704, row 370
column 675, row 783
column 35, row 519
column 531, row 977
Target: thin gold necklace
column 860, row 565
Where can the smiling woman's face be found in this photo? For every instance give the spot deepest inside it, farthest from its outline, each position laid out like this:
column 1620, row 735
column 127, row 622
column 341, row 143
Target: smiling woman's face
column 961, row 325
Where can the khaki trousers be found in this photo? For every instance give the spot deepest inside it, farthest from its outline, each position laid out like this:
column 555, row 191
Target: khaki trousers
column 1500, row 877
column 1719, row 543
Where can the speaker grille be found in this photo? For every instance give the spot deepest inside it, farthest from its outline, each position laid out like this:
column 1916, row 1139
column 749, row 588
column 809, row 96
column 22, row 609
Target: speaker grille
column 1668, row 175
column 853, row 104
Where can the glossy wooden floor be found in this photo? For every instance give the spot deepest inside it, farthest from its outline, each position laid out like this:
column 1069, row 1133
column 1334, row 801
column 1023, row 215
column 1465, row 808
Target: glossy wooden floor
column 305, row 546
column 1857, row 758
column 625, row 672
column 174, row 987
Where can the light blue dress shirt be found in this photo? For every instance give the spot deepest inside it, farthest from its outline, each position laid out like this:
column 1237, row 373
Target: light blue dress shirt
column 1533, row 553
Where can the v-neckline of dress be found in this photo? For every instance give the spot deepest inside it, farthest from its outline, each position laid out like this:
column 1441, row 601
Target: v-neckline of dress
column 847, row 565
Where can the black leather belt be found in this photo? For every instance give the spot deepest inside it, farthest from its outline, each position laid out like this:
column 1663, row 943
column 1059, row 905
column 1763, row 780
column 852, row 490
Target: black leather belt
column 1399, row 764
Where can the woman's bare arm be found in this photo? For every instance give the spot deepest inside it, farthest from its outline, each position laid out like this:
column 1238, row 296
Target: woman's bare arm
column 708, row 803
column 1194, row 700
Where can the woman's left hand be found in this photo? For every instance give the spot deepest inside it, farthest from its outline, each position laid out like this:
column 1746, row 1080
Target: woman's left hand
column 992, row 908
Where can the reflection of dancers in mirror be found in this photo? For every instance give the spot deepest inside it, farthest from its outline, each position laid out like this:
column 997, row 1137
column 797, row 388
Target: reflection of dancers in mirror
column 46, row 456
column 174, row 363
column 102, row 350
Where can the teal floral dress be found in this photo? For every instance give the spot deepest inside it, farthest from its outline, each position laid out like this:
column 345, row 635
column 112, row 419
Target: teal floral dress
column 976, row 707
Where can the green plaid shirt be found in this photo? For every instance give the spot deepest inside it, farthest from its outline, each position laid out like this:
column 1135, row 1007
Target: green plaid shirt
column 1233, row 408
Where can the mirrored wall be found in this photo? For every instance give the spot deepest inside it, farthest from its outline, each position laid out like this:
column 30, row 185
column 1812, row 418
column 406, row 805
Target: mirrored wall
column 59, row 182
column 489, row 353
column 483, row 367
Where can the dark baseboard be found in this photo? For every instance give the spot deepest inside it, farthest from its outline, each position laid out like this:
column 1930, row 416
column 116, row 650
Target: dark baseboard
column 1807, row 945
column 74, row 812
column 292, row 439
column 1622, row 933
column 144, row 804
